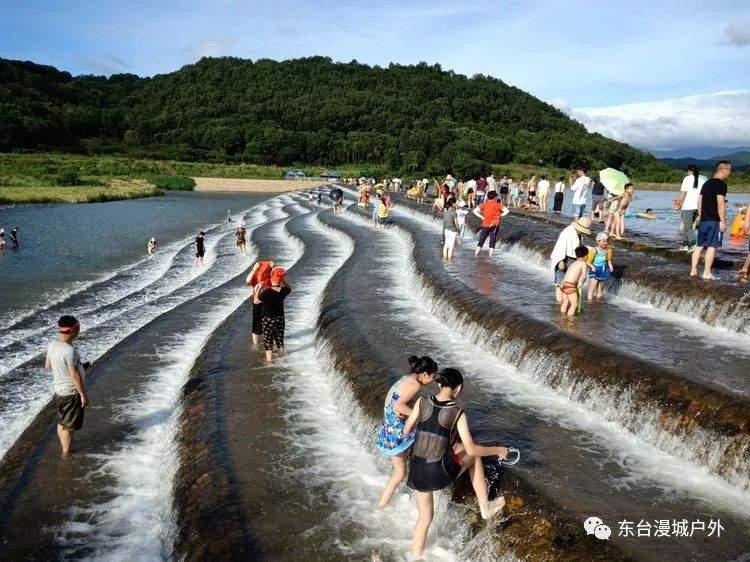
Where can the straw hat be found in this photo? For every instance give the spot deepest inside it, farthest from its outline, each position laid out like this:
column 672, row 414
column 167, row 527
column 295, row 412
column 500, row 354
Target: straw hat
column 582, row 225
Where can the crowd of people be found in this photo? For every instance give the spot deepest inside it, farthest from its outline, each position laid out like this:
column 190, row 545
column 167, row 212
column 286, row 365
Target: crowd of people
column 701, row 205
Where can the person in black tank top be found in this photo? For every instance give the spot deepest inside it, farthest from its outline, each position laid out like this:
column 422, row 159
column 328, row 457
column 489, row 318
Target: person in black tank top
column 443, row 448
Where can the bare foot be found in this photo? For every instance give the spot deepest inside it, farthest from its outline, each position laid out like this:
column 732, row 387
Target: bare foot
column 693, row 273
column 490, row 509
column 708, row 277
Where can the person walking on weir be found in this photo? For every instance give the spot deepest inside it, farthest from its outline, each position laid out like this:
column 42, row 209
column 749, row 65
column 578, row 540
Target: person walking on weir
column 712, row 214
column 580, row 189
column 68, row 374
column 690, row 192
column 491, row 212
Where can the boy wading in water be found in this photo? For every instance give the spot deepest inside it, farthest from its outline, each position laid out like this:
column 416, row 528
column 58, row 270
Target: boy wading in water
column 575, row 277
column 443, row 448
column 68, row 375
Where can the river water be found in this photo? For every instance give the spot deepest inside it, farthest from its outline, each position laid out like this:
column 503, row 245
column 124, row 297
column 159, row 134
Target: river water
column 293, row 461
column 667, row 223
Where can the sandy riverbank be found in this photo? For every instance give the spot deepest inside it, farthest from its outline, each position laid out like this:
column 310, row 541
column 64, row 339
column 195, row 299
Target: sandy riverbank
column 268, row 186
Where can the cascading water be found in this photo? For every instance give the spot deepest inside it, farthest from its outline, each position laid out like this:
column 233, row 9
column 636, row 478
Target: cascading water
column 724, row 456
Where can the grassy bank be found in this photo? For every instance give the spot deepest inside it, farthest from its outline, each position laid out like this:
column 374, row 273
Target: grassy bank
column 117, row 190
column 44, row 177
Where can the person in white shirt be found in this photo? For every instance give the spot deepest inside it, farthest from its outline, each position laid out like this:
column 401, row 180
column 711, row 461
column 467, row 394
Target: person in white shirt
column 559, row 196
column 542, row 192
column 491, row 183
column 690, row 193
column 580, row 189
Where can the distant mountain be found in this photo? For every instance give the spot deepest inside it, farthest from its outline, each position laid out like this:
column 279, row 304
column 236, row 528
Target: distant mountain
column 740, row 161
column 699, row 152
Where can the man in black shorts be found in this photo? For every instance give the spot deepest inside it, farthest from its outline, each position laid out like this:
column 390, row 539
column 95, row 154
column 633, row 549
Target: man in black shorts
column 68, row 377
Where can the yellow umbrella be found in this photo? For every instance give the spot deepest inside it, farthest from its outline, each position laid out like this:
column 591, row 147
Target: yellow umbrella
column 613, row 181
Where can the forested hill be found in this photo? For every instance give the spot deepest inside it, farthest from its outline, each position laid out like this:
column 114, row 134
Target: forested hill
column 408, row 118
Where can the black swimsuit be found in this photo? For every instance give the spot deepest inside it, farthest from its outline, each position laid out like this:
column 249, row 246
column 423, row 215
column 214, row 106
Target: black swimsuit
column 433, row 464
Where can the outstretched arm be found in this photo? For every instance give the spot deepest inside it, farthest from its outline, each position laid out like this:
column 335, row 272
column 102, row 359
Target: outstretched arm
column 472, row 448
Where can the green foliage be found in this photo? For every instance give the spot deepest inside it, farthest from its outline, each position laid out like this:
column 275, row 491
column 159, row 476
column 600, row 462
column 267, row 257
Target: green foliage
column 401, row 119
column 177, row 183
column 67, row 179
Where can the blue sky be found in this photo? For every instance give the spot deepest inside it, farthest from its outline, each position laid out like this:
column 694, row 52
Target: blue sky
column 658, row 74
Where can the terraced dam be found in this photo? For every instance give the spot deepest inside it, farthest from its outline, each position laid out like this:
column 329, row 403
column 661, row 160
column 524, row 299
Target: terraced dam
column 194, row 449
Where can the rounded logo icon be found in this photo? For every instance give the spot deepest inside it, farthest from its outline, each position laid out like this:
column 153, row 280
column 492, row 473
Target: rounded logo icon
column 591, row 523
column 602, row 532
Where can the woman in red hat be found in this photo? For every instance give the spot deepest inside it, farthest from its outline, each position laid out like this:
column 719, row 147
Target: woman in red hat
column 259, row 279
column 272, row 308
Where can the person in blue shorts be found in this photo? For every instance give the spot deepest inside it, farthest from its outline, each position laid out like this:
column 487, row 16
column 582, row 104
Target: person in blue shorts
column 712, row 214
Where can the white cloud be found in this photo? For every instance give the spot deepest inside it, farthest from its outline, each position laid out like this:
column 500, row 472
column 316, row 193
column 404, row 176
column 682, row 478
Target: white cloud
column 737, row 35
column 720, row 118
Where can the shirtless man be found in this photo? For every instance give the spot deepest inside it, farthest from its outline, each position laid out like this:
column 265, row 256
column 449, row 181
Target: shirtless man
column 575, row 277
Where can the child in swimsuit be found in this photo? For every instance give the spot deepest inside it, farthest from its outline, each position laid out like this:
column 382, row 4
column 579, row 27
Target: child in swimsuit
column 575, row 277
column 443, row 448
column 618, row 217
column 391, row 440
column 601, row 259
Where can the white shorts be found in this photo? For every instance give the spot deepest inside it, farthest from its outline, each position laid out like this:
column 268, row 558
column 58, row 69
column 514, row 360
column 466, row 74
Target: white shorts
column 450, row 239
